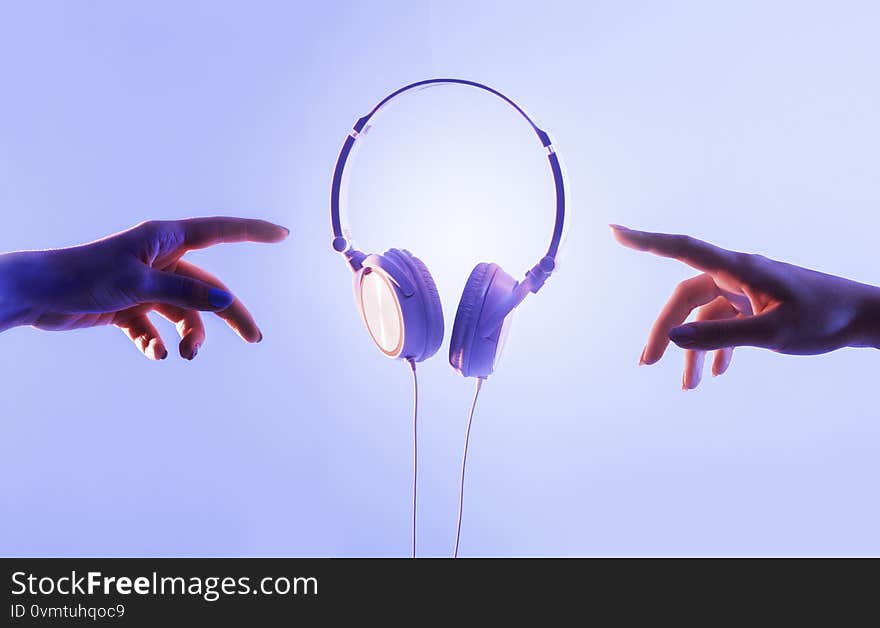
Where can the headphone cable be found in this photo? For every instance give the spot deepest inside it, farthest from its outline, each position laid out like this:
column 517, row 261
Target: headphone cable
column 467, row 439
column 412, row 365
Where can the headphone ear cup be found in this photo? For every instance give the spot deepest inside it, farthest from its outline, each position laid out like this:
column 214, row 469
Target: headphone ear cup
column 482, row 320
column 433, row 306
column 432, row 309
column 468, row 315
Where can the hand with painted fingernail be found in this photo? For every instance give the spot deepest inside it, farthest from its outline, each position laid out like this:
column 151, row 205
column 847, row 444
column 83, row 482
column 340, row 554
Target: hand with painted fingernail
column 743, row 299
column 119, row 280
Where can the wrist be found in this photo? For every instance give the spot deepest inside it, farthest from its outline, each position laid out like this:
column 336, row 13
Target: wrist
column 868, row 319
column 15, row 310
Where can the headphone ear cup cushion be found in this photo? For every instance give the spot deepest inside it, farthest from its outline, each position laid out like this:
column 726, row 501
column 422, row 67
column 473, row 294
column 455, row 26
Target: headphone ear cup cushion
column 433, row 305
column 430, row 296
column 467, row 315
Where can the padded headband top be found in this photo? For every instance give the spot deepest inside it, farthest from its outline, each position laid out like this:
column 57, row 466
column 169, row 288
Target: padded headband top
column 341, row 244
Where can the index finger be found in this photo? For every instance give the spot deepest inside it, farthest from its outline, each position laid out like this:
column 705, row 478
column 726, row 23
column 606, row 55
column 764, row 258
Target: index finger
column 695, row 253
column 199, row 233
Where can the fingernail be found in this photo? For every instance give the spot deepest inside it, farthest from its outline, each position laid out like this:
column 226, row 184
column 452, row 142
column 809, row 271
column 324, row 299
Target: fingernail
column 684, row 385
column 642, row 357
column 619, row 227
column 285, row 229
column 219, row 299
column 152, row 350
column 260, row 339
column 683, row 336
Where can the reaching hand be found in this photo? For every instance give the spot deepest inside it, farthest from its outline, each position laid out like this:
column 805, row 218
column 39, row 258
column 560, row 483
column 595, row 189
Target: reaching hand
column 748, row 300
column 120, row 279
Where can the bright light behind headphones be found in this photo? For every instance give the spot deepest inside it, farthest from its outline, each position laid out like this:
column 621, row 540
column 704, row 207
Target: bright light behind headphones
column 397, row 295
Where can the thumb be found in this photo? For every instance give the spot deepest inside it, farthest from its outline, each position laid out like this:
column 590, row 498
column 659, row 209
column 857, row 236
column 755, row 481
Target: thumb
column 185, row 292
column 751, row 331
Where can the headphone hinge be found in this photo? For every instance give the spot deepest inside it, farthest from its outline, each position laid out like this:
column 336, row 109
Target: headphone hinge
column 355, row 258
column 539, row 273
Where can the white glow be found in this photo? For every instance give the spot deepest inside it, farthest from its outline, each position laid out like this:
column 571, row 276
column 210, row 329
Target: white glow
column 457, row 177
column 382, row 312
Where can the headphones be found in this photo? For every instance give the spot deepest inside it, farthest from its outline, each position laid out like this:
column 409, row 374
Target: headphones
column 396, row 294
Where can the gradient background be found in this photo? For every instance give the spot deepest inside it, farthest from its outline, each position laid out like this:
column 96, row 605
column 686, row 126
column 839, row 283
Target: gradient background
column 751, row 124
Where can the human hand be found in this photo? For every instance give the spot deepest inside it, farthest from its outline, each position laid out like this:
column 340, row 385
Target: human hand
column 748, row 300
column 120, row 279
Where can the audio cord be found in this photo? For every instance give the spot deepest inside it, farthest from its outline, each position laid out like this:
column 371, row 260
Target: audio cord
column 412, row 364
column 467, row 439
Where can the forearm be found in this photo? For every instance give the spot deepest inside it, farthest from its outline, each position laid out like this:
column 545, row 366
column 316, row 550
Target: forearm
column 14, row 308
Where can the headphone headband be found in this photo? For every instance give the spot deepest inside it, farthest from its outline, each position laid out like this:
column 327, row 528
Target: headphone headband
column 341, row 243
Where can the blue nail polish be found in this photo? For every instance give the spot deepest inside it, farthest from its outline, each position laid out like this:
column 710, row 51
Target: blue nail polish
column 219, row 299
column 683, row 335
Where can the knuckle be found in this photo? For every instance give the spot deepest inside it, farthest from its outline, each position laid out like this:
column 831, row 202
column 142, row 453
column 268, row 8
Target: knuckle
column 681, row 241
column 146, row 230
column 750, row 261
column 681, row 288
column 688, row 291
column 744, row 260
column 154, row 227
column 704, row 313
column 147, row 225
